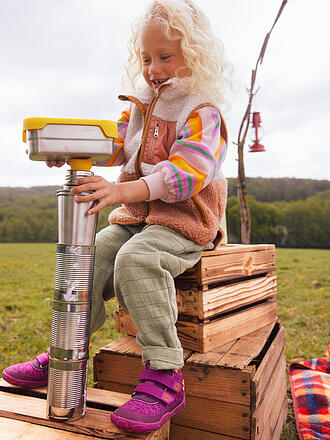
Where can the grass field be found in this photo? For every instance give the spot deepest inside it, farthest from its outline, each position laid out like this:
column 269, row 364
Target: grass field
column 26, row 283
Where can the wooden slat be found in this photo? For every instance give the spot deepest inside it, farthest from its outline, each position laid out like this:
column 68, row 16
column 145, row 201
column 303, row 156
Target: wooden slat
column 124, row 323
column 237, row 248
column 124, row 345
column 246, row 348
column 115, row 386
column 276, row 433
column 266, row 414
column 96, row 422
column 11, row 429
column 219, row 384
column 207, row 303
column 269, row 362
column 231, row 261
column 210, row 358
column 184, row 433
column 206, row 337
column 102, row 398
column 215, row 416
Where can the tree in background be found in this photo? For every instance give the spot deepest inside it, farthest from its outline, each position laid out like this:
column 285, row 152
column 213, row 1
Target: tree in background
column 241, row 181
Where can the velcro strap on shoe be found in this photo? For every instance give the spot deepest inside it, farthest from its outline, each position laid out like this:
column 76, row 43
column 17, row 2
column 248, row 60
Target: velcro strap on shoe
column 43, row 359
column 164, row 379
column 152, row 390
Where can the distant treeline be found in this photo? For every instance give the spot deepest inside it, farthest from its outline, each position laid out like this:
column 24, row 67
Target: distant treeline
column 287, row 212
column 282, row 189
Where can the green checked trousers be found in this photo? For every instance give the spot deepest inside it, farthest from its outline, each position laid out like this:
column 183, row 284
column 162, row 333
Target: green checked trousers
column 137, row 264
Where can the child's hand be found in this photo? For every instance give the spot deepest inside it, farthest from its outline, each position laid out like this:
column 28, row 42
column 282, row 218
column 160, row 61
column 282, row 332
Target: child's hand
column 55, row 163
column 51, row 163
column 109, row 194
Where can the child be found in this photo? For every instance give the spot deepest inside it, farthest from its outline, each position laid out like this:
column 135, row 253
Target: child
column 172, row 144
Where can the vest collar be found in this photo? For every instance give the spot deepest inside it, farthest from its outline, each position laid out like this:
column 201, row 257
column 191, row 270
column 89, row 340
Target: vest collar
column 177, row 88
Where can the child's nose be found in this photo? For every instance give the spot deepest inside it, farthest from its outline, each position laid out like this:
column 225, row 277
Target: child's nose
column 154, row 68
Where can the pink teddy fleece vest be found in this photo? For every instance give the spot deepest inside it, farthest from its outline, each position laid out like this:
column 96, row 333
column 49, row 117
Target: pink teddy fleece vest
column 197, row 218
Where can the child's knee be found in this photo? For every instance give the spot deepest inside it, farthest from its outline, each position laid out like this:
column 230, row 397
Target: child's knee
column 134, row 254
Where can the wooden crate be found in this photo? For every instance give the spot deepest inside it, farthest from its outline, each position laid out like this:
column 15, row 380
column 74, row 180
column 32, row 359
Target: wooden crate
column 229, row 293
column 237, row 391
column 23, row 416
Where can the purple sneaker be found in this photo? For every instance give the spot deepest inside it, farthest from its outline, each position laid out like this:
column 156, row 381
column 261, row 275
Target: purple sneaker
column 159, row 395
column 30, row 374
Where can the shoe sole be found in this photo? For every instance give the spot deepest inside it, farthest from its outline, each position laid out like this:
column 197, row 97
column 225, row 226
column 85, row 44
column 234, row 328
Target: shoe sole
column 23, row 383
column 131, row 425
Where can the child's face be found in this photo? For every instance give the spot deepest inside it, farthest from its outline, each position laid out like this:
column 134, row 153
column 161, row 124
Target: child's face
column 161, row 57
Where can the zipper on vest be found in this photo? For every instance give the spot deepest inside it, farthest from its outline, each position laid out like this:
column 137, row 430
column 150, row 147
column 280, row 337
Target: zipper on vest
column 156, row 130
column 146, row 127
column 153, row 141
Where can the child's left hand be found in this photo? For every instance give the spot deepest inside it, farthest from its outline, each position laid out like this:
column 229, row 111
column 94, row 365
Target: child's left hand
column 108, row 193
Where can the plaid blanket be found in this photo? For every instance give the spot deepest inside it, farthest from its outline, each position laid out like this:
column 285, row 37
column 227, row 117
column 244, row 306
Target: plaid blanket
column 310, row 387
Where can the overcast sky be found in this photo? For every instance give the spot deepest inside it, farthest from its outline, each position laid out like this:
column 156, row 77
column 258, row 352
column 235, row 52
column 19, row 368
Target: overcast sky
column 64, row 58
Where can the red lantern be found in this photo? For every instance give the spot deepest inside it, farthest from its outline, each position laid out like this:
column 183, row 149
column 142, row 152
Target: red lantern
column 256, row 124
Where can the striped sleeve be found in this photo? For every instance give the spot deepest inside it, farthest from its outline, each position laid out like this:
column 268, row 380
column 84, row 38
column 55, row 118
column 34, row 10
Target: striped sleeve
column 195, row 157
column 117, row 157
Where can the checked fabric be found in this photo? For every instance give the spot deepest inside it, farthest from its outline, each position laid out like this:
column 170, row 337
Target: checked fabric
column 310, row 387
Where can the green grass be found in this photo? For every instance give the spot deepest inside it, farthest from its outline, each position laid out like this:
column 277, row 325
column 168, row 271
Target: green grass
column 303, row 307
column 26, row 284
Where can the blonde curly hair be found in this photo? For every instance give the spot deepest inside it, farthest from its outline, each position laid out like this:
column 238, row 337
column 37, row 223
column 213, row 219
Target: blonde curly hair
column 203, row 53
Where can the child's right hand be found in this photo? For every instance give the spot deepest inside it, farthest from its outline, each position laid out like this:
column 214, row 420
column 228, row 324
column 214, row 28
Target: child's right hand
column 51, row 163
column 55, row 163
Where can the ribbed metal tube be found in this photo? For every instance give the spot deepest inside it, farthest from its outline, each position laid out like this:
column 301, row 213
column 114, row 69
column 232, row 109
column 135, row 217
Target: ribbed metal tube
column 69, row 348
column 74, row 268
column 70, row 326
column 67, row 395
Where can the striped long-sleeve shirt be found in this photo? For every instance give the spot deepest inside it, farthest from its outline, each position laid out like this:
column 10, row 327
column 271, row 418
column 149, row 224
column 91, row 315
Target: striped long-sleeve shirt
column 194, row 159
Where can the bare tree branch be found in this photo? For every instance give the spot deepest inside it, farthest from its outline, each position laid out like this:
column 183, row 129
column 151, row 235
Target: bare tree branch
column 243, row 130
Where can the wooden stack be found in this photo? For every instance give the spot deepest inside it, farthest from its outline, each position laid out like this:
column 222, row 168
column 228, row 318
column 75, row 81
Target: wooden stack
column 228, row 294
column 237, row 391
column 23, row 416
column 235, row 369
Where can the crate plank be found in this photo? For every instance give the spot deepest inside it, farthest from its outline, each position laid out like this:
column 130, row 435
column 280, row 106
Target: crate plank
column 269, row 362
column 205, row 336
column 266, row 414
column 276, row 433
column 103, row 398
column 231, row 261
column 210, row 358
column 115, row 386
column 185, row 433
column 124, row 323
column 215, row 416
column 224, row 384
column 246, row 348
column 96, row 422
column 11, row 429
column 125, row 345
column 207, row 303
